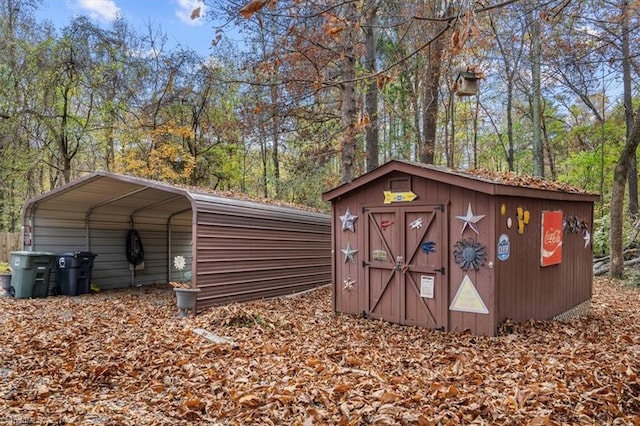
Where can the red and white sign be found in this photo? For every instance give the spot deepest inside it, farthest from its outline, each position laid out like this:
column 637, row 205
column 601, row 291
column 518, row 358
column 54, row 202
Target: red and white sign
column 551, row 244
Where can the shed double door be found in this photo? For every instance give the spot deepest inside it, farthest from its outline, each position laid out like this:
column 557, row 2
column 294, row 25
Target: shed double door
column 405, row 265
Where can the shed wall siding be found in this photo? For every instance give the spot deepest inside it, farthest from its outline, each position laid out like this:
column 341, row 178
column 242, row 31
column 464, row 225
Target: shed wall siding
column 527, row 290
column 483, row 279
column 370, row 195
column 517, row 288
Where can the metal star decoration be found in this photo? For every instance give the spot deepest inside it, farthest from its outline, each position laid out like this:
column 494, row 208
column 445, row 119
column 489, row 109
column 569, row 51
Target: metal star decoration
column 348, row 221
column 471, row 220
column 348, row 284
column 349, row 253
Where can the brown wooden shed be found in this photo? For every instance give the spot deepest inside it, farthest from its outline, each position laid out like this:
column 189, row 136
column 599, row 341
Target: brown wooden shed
column 235, row 249
column 422, row 245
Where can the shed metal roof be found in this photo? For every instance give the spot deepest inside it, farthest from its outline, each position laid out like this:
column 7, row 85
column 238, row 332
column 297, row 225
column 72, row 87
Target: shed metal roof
column 460, row 179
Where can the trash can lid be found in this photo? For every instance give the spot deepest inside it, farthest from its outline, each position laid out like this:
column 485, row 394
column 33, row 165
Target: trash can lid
column 77, row 254
column 31, row 253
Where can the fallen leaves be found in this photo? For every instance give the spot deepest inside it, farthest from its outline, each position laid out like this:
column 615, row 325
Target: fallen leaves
column 121, row 357
column 511, row 178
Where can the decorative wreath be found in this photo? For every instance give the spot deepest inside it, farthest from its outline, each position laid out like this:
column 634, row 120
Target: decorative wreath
column 469, row 254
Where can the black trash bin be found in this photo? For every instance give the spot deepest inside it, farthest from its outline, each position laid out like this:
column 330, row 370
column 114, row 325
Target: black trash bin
column 73, row 272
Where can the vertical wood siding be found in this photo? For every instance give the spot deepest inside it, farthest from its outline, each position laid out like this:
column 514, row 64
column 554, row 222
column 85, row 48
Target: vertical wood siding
column 481, row 204
column 517, row 288
column 527, row 290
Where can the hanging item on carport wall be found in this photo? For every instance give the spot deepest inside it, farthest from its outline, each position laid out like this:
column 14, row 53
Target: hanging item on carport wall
column 348, row 221
column 135, row 250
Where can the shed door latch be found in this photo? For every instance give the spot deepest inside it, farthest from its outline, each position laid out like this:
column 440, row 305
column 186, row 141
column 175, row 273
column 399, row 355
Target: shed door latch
column 441, row 270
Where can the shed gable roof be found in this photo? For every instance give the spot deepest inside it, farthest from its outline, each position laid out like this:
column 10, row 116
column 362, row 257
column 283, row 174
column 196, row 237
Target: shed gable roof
column 459, row 179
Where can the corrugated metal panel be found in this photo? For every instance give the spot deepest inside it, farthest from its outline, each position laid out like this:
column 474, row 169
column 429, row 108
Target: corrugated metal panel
column 245, row 249
column 252, row 252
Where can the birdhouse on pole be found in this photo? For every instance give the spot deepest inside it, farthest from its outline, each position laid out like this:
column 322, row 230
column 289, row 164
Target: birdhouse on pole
column 466, row 83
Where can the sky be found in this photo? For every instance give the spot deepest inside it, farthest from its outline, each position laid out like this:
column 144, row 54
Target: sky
column 173, row 16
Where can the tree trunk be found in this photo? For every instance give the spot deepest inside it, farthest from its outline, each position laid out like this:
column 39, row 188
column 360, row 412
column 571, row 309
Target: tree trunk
column 510, row 143
column 348, row 108
column 371, row 100
column 617, row 198
column 538, row 153
column 628, row 106
column 430, row 101
column 275, row 136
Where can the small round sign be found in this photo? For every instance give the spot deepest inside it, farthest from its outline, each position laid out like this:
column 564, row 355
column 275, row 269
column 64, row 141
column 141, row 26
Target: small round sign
column 504, row 247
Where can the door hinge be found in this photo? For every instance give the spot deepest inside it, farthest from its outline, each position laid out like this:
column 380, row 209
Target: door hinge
column 441, row 270
column 440, row 207
column 365, row 264
column 364, row 209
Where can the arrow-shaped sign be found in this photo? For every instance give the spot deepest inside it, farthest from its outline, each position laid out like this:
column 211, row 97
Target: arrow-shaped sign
column 398, row 197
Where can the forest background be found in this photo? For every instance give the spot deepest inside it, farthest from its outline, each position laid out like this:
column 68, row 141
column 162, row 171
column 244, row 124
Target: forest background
column 319, row 92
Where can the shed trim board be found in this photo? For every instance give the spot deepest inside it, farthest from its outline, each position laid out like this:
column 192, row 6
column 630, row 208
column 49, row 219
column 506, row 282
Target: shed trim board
column 234, row 249
column 441, row 249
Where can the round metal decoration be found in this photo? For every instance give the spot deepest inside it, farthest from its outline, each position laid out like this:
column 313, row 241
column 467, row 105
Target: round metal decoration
column 469, row 254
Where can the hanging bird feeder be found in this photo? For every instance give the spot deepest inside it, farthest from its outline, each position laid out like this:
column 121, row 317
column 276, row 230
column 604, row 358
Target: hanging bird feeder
column 466, row 83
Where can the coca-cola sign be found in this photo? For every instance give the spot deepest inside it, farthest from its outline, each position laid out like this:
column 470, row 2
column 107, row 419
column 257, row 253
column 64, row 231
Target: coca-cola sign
column 551, row 244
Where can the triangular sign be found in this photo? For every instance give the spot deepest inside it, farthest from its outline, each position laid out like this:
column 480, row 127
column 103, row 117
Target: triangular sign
column 467, row 299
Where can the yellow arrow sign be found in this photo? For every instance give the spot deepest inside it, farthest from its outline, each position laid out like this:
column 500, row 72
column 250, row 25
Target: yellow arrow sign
column 398, row 197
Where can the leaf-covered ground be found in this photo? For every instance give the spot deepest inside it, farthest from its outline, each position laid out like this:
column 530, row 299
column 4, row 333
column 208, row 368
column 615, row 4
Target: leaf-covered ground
column 123, row 358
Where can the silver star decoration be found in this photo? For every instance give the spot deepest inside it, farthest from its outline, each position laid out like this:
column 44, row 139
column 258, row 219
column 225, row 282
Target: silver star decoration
column 349, row 253
column 348, row 221
column 348, row 284
column 471, row 220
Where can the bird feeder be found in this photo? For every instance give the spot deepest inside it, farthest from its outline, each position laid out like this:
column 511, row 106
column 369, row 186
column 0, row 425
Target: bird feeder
column 466, row 83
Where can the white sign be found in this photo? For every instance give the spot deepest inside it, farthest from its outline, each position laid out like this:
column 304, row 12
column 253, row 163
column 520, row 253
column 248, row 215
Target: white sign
column 426, row 286
column 467, row 299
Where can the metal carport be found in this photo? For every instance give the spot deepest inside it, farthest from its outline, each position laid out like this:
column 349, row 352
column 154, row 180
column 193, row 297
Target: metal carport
column 236, row 249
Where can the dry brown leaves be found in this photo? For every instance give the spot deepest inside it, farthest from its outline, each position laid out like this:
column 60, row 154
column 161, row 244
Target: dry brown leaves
column 123, row 358
column 511, row 178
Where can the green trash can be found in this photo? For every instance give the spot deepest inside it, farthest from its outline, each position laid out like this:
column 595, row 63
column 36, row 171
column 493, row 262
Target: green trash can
column 31, row 272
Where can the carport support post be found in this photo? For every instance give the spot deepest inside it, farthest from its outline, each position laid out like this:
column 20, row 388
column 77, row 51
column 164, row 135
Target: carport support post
column 132, row 267
column 169, row 249
column 169, row 241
